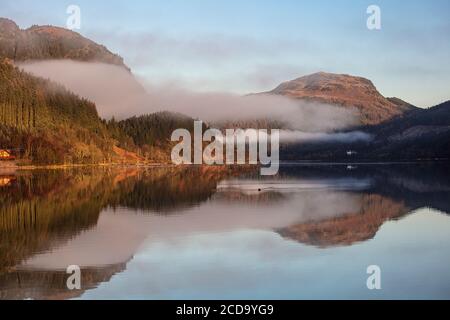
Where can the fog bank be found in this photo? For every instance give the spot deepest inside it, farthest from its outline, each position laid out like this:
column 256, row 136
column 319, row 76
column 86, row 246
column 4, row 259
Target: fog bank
column 117, row 93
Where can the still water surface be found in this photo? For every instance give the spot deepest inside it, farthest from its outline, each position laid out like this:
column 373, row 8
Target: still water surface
column 213, row 233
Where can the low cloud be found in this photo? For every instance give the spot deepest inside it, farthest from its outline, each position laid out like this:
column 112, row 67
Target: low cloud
column 288, row 136
column 296, row 136
column 117, row 93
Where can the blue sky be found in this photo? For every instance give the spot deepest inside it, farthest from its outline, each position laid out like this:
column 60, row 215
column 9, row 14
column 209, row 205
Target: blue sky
column 249, row 45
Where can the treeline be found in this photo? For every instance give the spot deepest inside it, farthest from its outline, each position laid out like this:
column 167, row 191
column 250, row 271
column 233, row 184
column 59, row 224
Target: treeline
column 47, row 124
column 28, row 102
column 145, row 133
column 19, row 100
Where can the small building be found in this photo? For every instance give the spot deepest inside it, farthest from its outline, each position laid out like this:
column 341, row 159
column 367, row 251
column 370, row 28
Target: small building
column 6, row 155
column 6, row 180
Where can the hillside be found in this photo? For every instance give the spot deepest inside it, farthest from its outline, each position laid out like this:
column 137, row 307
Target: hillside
column 149, row 135
column 48, row 42
column 47, row 124
column 420, row 134
column 347, row 91
column 150, row 129
column 424, row 133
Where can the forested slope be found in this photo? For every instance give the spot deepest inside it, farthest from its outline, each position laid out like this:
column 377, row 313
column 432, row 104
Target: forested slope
column 47, row 123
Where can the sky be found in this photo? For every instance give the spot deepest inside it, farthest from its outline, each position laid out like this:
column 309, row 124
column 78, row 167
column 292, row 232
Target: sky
column 243, row 46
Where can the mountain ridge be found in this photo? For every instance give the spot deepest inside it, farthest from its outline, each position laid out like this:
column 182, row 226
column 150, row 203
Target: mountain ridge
column 422, row 134
column 347, row 91
column 50, row 42
column 396, row 125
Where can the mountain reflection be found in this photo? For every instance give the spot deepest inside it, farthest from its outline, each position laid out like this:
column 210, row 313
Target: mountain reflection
column 46, row 214
column 42, row 208
column 395, row 191
column 350, row 228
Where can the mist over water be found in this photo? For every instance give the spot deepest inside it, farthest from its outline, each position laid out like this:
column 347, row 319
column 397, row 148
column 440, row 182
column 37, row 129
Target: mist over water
column 117, row 93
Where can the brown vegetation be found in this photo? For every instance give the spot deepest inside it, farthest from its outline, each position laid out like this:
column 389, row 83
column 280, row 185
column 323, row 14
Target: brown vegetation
column 347, row 91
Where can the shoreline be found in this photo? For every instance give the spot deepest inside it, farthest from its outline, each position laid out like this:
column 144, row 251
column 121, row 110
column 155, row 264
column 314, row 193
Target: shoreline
column 18, row 167
column 11, row 167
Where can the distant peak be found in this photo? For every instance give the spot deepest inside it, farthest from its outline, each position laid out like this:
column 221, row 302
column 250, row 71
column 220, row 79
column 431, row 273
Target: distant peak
column 343, row 90
column 324, row 81
column 50, row 42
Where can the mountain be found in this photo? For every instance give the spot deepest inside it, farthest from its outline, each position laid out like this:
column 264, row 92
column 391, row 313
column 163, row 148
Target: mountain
column 434, row 117
column 347, row 91
column 48, row 42
column 421, row 134
column 48, row 124
column 424, row 133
